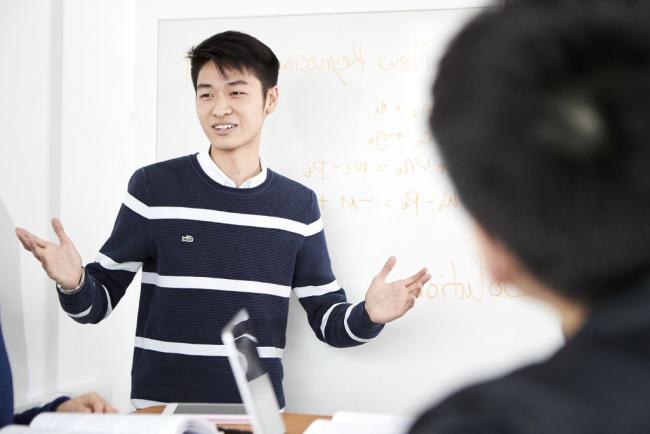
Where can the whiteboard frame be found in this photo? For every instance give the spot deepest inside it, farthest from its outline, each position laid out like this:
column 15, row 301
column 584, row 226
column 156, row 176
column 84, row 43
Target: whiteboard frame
column 150, row 15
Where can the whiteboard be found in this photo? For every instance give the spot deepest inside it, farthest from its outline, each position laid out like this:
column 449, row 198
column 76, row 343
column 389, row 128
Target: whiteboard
column 351, row 125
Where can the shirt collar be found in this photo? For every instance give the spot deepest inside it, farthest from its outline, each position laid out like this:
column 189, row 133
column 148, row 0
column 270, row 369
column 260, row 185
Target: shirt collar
column 216, row 174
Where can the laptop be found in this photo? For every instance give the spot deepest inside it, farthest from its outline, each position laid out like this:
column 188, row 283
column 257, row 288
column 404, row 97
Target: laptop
column 260, row 406
column 253, row 382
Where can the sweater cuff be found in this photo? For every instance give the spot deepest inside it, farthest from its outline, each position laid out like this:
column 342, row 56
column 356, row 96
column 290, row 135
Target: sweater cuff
column 54, row 405
column 80, row 301
column 360, row 323
column 26, row 417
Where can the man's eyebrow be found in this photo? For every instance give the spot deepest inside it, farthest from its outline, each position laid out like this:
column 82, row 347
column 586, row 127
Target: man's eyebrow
column 237, row 82
column 204, row 86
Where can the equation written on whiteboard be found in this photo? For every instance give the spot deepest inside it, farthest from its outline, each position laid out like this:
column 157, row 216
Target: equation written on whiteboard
column 401, row 109
column 411, row 202
column 385, row 111
column 321, row 169
column 382, row 140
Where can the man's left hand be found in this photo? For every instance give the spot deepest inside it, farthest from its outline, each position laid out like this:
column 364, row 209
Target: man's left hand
column 386, row 301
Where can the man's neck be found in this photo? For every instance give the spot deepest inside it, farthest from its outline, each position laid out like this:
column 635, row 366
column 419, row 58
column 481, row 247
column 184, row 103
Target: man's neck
column 573, row 314
column 238, row 165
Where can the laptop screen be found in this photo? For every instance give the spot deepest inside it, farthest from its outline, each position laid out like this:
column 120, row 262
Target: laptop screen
column 252, row 379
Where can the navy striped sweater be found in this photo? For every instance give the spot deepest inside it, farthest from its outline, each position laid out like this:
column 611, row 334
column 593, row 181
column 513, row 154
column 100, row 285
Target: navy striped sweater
column 206, row 251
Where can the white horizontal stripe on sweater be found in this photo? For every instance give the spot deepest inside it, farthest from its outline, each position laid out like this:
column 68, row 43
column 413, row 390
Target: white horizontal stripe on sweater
column 80, row 314
column 110, row 264
column 229, row 218
column 214, row 283
column 109, row 307
column 199, row 349
column 347, row 327
column 323, row 324
column 311, row 291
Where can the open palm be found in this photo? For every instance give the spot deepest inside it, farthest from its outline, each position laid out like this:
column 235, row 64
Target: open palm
column 60, row 261
column 386, row 301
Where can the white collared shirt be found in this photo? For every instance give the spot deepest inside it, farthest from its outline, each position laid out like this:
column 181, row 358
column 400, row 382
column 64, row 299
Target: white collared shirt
column 217, row 175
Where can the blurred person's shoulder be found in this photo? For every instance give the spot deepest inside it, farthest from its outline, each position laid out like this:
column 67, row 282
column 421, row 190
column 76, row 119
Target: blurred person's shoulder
column 581, row 389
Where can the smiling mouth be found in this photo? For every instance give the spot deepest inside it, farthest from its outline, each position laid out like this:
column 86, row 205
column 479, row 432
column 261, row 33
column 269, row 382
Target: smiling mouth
column 223, row 128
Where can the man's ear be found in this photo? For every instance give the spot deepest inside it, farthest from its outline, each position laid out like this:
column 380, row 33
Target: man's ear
column 501, row 263
column 271, row 100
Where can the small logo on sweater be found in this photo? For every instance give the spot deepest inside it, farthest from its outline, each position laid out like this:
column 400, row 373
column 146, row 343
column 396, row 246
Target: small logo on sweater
column 187, row 239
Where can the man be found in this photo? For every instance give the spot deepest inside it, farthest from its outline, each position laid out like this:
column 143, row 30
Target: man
column 87, row 403
column 215, row 232
column 542, row 114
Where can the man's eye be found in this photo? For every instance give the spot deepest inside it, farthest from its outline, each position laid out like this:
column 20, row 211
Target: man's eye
column 205, row 95
column 237, row 93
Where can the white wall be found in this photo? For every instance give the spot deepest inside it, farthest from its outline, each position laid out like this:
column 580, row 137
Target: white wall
column 29, row 187
column 97, row 160
column 67, row 117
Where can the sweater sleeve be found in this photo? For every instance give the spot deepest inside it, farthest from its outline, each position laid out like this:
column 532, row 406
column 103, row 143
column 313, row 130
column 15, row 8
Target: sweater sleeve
column 119, row 259
column 332, row 318
column 6, row 386
column 25, row 418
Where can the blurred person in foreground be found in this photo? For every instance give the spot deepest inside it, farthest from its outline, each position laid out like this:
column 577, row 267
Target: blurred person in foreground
column 542, row 115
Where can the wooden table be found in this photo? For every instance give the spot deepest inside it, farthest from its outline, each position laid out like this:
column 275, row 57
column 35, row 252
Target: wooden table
column 296, row 423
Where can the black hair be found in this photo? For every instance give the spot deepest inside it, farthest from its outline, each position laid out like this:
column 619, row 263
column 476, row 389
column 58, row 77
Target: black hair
column 236, row 51
column 542, row 115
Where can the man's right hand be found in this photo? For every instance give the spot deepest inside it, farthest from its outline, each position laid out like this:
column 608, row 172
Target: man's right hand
column 60, row 261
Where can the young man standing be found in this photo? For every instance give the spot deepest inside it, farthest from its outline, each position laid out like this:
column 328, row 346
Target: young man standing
column 542, row 114
column 215, row 232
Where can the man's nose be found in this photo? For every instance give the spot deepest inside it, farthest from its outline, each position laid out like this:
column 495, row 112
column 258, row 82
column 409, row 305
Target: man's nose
column 221, row 108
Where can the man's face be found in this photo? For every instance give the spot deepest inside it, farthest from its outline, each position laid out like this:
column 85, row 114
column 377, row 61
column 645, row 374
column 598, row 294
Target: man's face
column 231, row 107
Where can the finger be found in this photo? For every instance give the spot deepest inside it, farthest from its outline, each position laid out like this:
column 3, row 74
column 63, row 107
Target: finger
column 421, row 285
column 409, row 281
column 58, row 230
column 424, row 280
column 98, row 405
column 415, row 289
column 388, row 267
column 421, row 280
column 23, row 240
column 110, row 409
column 33, row 238
column 24, row 236
column 34, row 249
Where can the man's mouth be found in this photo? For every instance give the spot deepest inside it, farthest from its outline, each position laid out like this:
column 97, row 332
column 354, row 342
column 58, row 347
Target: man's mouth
column 223, row 128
